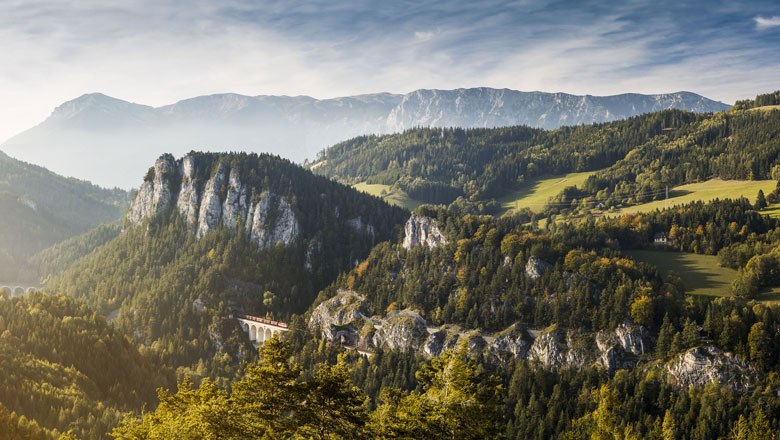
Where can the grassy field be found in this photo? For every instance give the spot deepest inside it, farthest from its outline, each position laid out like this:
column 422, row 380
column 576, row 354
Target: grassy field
column 535, row 194
column 704, row 191
column 766, row 108
column 701, row 274
column 772, row 210
column 394, row 197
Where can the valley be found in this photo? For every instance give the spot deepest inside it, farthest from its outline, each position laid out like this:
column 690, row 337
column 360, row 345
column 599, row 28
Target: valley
column 383, row 287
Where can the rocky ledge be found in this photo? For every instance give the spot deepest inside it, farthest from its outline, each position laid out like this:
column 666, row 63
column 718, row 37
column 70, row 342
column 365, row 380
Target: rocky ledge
column 347, row 319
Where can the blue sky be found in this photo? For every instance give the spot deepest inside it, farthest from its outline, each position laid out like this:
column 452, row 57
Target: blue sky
column 159, row 51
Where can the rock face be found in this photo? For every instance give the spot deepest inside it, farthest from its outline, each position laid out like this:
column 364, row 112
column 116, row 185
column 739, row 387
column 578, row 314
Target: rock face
column 422, row 230
column 621, row 347
column 346, row 319
column 341, row 317
column 223, row 199
column 705, row 364
column 555, row 348
column 155, row 195
column 402, row 330
column 536, row 267
column 514, row 342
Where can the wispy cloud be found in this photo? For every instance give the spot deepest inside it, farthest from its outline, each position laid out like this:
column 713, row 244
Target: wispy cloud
column 767, row 22
column 159, row 51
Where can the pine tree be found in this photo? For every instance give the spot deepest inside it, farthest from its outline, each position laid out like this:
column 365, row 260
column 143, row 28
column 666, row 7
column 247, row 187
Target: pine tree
column 268, row 398
column 669, row 426
column 760, row 201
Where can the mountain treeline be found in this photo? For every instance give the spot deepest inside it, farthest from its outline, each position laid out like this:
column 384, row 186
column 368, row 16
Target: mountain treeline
column 635, row 159
column 760, row 101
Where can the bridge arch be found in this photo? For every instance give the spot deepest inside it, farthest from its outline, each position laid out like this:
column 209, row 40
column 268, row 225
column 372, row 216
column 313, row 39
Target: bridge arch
column 260, row 329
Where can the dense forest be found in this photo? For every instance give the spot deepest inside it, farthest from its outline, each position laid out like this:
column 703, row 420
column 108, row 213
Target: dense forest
column 636, row 159
column 175, row 293
column 480, row 280
column 68, row 370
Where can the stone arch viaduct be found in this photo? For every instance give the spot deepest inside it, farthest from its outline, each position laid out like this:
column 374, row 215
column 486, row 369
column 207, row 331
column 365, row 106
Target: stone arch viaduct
column 260, row 329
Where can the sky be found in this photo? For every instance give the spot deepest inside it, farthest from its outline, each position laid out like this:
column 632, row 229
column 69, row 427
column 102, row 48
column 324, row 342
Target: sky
column 157, row 52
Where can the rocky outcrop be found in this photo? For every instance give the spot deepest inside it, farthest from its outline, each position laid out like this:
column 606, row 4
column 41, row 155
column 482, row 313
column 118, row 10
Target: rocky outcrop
column 512, row 342
column 273, row 221
column 421, row 230
column 189, row 199
column 155, row 195
column 211, row 207
column 555, row 348
column 628, row 337
column 221, row 200
column 706, row 364
column 402, row 330
column 346, row 319
column 536, row 267
column 341, row 317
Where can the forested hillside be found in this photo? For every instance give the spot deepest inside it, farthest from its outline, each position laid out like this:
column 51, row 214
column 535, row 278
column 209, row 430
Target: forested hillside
column 637, row 158
column 438, row 323
column 39, row 208
column 536, row 307
column 66, row 369
column 270, row 235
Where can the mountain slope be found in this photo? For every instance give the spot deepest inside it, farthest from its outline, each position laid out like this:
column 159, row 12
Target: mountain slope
column 39, row 208
column 97, row 128
column 67, row 369
column 208, row 234
column 633, row 160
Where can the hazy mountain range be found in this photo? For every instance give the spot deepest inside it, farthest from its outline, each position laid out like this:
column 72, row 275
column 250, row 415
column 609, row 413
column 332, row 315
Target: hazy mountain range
column 83, row 135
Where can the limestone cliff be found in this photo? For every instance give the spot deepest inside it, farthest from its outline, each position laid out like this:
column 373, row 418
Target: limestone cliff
column 221, row 199
column 420, row 230
column 346, row 318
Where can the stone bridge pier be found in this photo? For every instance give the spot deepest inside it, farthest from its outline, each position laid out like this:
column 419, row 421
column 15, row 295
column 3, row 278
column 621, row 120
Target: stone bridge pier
column 260, row 329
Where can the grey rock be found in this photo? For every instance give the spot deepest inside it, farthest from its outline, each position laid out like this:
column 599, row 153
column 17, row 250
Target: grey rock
column 401, row 330
column 273, row 221
column 420, row 230
column 631, row 338
column 211, row 208
column 223, row 199
column 155, row 196
column 189, row 200
column 706, row 364
column 514, row 343
column 340, row 317
column 535, row 268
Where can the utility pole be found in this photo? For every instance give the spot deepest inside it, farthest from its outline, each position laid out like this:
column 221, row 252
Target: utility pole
column 666, row 202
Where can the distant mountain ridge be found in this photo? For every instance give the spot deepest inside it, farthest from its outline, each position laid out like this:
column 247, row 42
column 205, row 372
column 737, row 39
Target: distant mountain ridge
column 96, row 128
